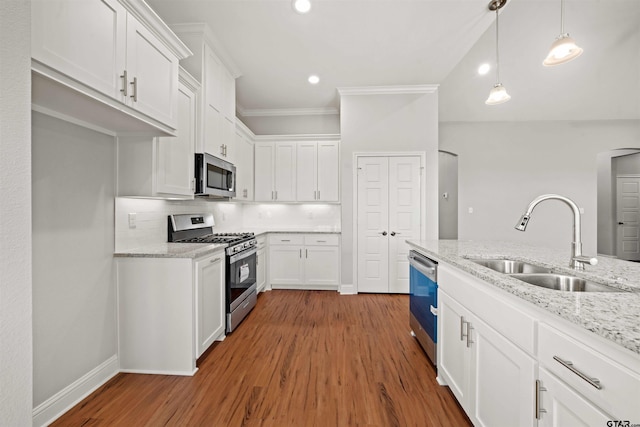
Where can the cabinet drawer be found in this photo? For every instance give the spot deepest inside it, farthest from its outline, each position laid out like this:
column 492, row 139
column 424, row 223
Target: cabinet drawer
column 493, row 308
column 321, row 240
column 286, row 239
column 619, row 386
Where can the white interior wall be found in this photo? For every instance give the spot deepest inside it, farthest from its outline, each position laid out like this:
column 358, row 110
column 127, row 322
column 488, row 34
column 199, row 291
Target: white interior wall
column 504, row 165
column 386, row 123
column 317, row 124
column 15, row 214
column 74, row 294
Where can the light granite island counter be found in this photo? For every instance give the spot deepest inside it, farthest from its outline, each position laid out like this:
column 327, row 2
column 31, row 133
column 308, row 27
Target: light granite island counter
column 518, row 354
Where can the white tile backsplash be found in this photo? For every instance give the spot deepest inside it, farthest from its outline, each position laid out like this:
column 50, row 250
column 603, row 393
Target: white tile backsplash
column 151, row 218
column 299, row 217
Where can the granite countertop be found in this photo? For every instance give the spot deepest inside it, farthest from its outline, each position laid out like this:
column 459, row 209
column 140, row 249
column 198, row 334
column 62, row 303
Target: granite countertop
column 612, row 315
column 173, row 250
column 197, row 250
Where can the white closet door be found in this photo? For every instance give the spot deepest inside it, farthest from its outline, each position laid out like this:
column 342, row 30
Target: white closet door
column 373, row 220
column 404, row 218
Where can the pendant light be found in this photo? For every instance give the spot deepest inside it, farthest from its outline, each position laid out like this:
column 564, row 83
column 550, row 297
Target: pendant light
column 564, row 48
column 498, row 93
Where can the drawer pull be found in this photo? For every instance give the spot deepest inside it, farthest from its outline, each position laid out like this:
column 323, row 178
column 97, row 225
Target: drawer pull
column 285, row 240
column 214, row 260
column 593, row 381
column 321, row 241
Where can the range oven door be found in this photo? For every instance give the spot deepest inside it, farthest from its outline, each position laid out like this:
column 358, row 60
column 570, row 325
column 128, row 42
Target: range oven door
column 241, row 277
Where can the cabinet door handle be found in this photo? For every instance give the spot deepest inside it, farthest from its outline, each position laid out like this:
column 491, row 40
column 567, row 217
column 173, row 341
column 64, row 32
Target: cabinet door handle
column 314, row 195
column 318, row 194
column 393, row 233
column 567, row 364
column 214, row 260
column 469, row 329
column 306, row 253
column 384, row 233
column 300, row 253
column 538, row 389
column 276, row 194
column 125, row 83
column 134, row 83
column 222, row 149
column 462, row 334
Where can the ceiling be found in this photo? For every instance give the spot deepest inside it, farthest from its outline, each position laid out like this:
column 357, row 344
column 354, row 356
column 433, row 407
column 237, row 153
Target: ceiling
column 351, row 43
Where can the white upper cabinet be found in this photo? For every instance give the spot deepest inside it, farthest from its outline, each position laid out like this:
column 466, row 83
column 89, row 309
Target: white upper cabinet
column 152, row 72
column 163, row 167
column 244, row 162
column 117, row 54
column 296, row 171
column 264, row 171
column 317, row 176
column 217, row 73
column 60, row 40
column 275, row 168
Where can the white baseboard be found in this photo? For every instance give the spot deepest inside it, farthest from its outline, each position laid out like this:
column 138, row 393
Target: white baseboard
column 160, row 372
column 51, row 409
column 440, row 381
column 348, row 289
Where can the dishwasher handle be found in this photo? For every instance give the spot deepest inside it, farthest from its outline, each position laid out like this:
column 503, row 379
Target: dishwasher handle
column 424, row 265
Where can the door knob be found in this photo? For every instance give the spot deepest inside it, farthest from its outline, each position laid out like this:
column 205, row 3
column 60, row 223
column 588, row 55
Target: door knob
column 393, row 233
column 384, row 233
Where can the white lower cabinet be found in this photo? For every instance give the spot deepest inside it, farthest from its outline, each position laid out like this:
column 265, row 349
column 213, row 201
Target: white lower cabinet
column 169, row 311
column 210, row 296
column 304, row 261
column 559, row 405
column 511, row 364
column 491, row 378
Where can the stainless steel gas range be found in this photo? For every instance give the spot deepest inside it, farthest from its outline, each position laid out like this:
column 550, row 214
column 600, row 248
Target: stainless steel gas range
column 241, row 293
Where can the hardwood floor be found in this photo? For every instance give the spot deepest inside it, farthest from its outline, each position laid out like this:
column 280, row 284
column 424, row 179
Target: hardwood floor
column 301, row 358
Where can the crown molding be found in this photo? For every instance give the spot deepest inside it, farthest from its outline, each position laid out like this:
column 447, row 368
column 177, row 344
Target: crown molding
column 150, row 19
column 203, row 30
column 304, row 137
column 241, row 127
column 388, row 90
column 282, row 112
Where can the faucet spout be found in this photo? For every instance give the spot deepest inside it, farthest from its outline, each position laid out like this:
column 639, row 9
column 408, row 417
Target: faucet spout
column 577, row 259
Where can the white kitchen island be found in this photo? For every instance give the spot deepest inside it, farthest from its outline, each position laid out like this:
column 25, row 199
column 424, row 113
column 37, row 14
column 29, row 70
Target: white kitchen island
column 518, row 354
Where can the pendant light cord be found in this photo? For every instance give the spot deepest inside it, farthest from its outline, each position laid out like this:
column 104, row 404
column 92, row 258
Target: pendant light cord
column 497, row 50
column 561, row 16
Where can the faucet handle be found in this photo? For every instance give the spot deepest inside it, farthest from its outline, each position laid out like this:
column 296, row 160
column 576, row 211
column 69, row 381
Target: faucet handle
column 586, row 260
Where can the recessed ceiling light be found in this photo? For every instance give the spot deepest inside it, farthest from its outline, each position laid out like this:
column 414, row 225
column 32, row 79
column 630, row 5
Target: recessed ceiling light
column 313, row 79
column 302, row 6
column 484, row 69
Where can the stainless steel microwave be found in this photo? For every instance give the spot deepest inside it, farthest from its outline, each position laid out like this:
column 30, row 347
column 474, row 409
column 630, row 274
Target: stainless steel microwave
column 214, row 177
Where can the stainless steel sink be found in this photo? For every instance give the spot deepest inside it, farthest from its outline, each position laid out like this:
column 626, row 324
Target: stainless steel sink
column 561, row 282
column 510, row 266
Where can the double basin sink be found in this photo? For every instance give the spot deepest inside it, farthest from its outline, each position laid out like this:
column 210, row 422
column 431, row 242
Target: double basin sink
column 542, row 276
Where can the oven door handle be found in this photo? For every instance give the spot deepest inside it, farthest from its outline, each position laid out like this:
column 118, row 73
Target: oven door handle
column 242, row 255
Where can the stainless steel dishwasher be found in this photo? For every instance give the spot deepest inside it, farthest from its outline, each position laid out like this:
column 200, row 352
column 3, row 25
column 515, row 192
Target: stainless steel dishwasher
column 423, row 302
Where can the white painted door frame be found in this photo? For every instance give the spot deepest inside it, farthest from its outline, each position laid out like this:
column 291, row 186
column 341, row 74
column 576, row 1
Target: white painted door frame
column 423, row 198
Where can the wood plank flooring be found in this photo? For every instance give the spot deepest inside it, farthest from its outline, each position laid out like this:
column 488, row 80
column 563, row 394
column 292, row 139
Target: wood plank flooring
column 301, row 358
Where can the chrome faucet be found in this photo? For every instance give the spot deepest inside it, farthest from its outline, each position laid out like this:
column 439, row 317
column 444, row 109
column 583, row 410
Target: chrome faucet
column 577, row 259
